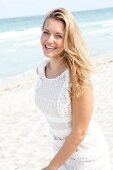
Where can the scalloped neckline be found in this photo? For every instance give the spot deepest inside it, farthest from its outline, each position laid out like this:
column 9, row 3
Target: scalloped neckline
column 55, row 78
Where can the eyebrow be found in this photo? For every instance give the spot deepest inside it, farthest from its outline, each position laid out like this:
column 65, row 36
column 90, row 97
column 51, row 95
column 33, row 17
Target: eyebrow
column 56, row 32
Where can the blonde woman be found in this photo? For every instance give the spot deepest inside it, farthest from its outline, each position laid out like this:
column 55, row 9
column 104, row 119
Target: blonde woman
column 65, row 95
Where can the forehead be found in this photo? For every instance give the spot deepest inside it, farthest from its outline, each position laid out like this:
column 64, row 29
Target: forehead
column 54, row 25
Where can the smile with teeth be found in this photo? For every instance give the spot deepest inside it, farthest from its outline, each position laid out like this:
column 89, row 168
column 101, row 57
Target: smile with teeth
column 49, row 47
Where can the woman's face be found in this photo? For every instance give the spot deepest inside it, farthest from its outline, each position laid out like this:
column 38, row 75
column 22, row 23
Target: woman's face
column 52, row 38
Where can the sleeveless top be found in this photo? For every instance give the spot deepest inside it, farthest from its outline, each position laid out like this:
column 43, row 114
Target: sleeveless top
column 52, row 97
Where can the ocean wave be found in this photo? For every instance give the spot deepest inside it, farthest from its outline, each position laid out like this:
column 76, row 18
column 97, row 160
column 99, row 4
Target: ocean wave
column 105, row 23
column 24, row 38
column 9, row 50
column 108, row 24
column 27, row 43
column 20, row 34
column 101, row 31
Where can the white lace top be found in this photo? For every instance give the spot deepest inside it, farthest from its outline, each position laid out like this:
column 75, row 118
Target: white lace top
column 52, row 97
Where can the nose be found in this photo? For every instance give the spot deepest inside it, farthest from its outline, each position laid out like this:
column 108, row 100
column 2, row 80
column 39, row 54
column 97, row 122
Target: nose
column 51, row 39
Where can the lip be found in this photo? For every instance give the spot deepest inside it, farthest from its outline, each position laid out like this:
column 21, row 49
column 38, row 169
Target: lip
column 49, row 48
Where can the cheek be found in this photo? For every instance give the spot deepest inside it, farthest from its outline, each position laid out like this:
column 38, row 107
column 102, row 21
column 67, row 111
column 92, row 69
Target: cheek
column 41, row 41
column 61, row 44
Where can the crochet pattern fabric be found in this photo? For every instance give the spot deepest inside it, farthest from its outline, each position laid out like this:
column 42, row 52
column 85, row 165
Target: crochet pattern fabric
column 52, row 97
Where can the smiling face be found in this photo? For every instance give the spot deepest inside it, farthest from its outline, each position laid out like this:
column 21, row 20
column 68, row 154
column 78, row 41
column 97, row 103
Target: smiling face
column 52, row 38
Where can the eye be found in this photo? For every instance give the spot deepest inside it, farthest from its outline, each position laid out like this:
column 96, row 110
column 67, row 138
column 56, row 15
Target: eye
column 45, row 32
column 58, row 36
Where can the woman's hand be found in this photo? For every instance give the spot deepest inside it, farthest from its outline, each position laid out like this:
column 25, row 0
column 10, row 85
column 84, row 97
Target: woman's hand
column 49, row 168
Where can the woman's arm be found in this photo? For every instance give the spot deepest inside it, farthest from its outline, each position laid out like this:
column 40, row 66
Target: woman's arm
column 82, row 109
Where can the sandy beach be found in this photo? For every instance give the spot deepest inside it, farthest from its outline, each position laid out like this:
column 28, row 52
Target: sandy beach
column 25, row 140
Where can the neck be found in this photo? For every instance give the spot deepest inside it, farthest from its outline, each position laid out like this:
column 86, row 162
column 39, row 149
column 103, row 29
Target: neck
column 56, row 64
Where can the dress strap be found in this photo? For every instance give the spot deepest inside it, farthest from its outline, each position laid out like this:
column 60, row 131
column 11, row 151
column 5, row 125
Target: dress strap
column 40, row 78
column 41, row 66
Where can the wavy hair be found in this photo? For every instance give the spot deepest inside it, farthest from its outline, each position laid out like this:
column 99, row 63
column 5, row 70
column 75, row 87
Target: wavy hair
column 75, row 52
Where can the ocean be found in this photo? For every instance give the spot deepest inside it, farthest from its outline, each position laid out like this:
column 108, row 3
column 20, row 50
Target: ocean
column 20, row 49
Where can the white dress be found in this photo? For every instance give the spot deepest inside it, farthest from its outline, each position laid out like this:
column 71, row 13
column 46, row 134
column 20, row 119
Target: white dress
column 52, row 98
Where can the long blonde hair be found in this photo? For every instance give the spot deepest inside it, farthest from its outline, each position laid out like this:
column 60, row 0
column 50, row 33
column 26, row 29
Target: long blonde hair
column 75, row 52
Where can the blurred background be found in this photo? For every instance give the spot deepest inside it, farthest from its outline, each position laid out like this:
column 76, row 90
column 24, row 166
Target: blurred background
column 20, row 29
column 25, row 140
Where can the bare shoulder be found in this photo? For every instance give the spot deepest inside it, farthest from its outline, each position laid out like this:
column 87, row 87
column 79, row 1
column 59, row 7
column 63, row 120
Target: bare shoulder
column 88, row 93
column 85, row 101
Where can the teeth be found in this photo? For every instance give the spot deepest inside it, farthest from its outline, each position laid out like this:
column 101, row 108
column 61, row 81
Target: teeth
column 49, row 47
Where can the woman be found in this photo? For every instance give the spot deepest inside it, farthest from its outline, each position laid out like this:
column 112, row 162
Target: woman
column 65, row 95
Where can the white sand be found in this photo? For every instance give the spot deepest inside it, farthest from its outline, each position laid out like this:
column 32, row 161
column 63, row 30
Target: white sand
column 25, row 141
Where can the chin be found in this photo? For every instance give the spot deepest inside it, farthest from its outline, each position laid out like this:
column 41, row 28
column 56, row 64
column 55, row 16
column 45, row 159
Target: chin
column 50, row 55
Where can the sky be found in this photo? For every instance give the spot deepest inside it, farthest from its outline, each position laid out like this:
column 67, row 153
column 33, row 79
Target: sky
column 16, row 8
